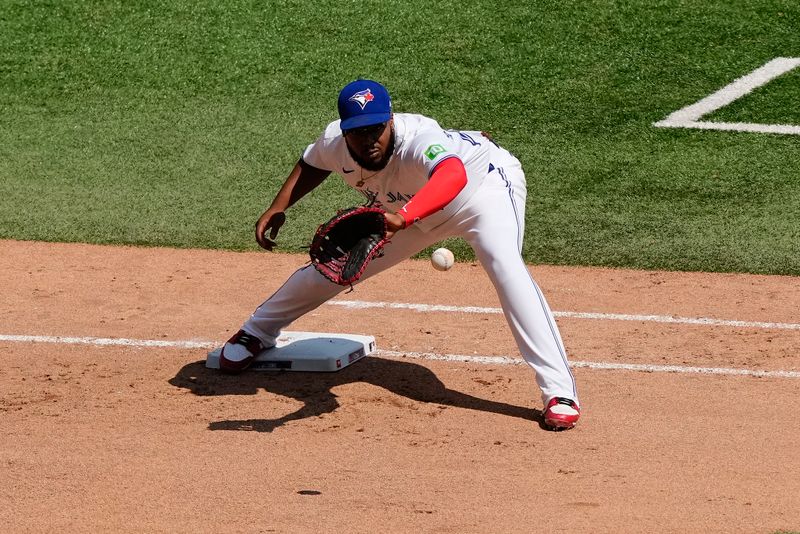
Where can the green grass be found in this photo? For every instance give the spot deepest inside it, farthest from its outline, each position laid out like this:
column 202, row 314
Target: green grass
column 173, row 123
column 775, row 103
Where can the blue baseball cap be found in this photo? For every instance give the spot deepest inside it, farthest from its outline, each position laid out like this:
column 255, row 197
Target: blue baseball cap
column 364, row 103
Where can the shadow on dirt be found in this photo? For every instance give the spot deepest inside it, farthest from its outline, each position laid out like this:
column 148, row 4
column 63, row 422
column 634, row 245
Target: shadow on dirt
column 408, row 379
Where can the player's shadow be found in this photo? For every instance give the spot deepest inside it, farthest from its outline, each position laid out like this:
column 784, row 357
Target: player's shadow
column 314, row 390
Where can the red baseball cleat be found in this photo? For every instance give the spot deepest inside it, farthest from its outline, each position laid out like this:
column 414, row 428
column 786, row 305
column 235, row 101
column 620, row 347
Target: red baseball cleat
column 561, row 413
column 239, row 352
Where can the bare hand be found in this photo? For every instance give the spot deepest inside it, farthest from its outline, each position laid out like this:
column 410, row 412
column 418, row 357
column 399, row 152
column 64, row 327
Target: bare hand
column 272, row 221
column 394, row 222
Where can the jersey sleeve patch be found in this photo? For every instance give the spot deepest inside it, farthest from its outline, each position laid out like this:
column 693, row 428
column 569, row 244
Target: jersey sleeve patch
column 434, row 150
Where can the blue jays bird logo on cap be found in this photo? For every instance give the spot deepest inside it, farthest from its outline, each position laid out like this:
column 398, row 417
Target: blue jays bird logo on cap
column 353, row 109
column 362, row 98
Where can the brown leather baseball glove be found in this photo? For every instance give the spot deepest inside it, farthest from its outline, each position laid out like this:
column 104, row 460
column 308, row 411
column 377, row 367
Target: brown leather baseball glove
column 343, row 247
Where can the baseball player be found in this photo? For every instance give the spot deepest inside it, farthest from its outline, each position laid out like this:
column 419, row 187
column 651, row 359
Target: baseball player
column 434, row 184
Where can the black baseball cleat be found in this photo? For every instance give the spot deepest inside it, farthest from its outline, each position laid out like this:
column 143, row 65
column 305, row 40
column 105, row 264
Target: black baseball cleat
column 239, row 352
column 561, row 413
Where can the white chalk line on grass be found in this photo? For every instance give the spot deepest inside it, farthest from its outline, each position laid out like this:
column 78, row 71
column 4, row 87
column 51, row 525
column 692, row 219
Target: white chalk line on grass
column 689, row 117
column 705, row 321
column 477, row 359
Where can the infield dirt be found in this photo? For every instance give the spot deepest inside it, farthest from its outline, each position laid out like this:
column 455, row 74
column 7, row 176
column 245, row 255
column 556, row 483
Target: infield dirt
column 133, row 439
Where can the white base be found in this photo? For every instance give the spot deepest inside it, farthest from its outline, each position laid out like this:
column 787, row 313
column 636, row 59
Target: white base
column 307, row 351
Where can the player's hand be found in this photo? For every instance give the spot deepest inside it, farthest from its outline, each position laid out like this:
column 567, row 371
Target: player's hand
column 394, row 222
column 270, row 220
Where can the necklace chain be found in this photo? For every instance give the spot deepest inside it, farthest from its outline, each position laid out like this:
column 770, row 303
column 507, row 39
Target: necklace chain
column 363, row 180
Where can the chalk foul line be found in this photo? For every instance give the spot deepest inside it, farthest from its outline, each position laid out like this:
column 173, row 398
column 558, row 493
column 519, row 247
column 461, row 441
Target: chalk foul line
column 107, row 341
column 689, row 117
column 475, row 359
column 705, row 321
column 506, row 360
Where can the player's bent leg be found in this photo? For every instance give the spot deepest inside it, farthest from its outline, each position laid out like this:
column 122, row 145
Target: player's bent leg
column 302, row 292
column 305, row 290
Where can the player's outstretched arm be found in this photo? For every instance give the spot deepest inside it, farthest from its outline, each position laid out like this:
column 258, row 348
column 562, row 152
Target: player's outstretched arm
column 301, row 181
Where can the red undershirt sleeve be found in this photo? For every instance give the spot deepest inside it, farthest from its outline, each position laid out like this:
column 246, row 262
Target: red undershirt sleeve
column 447, row 180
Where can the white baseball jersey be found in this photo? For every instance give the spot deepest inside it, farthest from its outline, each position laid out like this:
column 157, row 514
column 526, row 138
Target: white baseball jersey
column 420, row 144
column 489, row 214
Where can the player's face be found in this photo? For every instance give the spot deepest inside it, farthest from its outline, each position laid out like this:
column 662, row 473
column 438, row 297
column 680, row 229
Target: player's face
column 371, row 146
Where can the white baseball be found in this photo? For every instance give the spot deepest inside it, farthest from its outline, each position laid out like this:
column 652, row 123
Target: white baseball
column 442, row 259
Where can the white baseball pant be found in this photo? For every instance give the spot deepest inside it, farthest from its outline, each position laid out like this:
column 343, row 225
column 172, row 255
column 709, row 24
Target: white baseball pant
column 492, row 221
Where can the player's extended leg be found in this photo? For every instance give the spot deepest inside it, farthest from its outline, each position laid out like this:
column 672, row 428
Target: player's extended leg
column 493, row 224
column 305, row 290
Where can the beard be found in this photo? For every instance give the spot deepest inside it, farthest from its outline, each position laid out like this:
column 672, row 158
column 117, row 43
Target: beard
column 370, row 166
